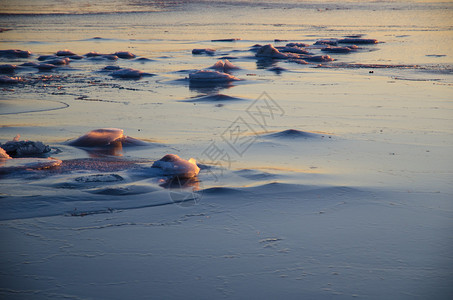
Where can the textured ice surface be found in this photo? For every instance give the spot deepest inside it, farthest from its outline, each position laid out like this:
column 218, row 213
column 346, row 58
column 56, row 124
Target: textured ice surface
column 16, row 164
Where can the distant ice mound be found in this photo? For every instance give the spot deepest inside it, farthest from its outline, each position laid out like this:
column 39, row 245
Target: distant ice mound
column 45, row 67
column 293, row 49
column 331, row 42
column 301, row 45
column 125, row 54
column 292, row 134
column 173, row 165
column 269, row 51
column 211, row 76
column 318, row 58
column 59, row 61
column 335, row 49
column 105, row 137
column 7, row 68
column 207, row 51
column 16, row 148
column 65, row 52
column 99, row 56
column 357, row 41
column 224, row 66
column 214, row 98
column 129, row 73
column 227, row 40
column 15, row 53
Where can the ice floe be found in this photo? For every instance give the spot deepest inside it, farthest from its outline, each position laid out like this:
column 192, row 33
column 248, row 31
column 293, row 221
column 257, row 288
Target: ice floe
column 357, row 41
column 214, row 98
column 58, row 61
column 9, row 80
column 99, row 56
column 294, row 134
column 224, row 66
column 318, row 58
column 105, row 137
column 211, row 76
column 47, row 57
column 173, row 165
column 301, row 45
column 15, row 53
column 45, row 67
column 65, row 52
column 128, row 73
column 125, row 54
column 334, row 49
column 226, row 40
column 207, row 51
column 269, row 51
column 7, row 68
column 17, row 148
column 331, row 42
column 293, row 49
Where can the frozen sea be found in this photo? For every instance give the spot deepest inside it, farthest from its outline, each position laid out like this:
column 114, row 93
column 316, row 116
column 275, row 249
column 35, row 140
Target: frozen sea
column 318, row 180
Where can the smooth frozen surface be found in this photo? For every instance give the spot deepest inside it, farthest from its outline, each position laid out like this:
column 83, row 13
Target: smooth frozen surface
column 317, row 179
